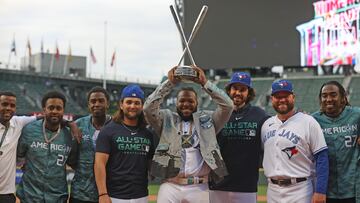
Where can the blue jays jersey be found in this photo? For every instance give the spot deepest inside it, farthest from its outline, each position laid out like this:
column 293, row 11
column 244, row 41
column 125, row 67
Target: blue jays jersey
column 289, row 146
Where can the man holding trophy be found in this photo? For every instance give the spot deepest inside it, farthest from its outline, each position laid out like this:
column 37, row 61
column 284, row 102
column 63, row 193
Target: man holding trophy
column 188, row 153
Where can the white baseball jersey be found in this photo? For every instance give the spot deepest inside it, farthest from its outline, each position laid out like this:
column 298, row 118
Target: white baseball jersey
column 8, row 152
column 289, row 147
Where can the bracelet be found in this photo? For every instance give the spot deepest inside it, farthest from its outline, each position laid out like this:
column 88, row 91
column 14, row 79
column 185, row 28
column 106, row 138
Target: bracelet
column 103, row 194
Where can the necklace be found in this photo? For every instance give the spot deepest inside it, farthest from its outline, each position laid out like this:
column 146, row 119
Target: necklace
column 45, row 134
column 186, row 137
column 132, row 132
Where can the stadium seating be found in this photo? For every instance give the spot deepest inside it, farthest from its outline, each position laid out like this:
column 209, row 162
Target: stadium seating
column 354, row 91
column 30, row 87
column 307, row 91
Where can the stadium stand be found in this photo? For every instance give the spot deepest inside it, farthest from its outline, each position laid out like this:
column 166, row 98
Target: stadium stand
column 354, row 90
column 30, row 87
column 307, row 91
column 24, row 102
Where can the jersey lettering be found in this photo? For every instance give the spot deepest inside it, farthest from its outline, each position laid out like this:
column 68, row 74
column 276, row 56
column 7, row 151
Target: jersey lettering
column 138, row 140
column 133, row 145
column 234, row 125
column 240, row 130
column 53, row 147
column 86, row 137
column 290, row 136
column 341, row 129
column 269, row 135
column 42, row 145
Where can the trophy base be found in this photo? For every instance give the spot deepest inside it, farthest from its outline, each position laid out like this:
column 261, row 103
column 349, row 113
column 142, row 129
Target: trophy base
column 185, row 73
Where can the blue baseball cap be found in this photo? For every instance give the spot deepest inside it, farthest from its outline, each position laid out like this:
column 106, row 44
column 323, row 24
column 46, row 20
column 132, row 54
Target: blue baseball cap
column 281, row 86
column 132, row 91
column 241, row 78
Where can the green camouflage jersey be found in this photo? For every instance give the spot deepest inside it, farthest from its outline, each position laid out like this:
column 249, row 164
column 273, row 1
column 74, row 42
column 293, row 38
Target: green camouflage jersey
column 83, row 186
column 44, row 178
column 340, row 135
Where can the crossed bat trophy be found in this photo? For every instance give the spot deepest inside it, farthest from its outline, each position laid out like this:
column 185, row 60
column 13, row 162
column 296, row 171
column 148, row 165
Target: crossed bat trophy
column 187, row 72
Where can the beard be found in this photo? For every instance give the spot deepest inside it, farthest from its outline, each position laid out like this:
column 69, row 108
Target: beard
column 239, row 101
column 132, row 116
column 98, row 114
column 183, row 117
column 54, row 120
column 289, row 107
column 6, row 117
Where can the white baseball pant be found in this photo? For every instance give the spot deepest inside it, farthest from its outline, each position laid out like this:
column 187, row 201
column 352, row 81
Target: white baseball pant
column 139, row 200
column 296, row 193
column 217, row 196
column 173, row 193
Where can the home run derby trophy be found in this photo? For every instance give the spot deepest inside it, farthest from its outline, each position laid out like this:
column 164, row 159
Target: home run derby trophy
column 187, row 72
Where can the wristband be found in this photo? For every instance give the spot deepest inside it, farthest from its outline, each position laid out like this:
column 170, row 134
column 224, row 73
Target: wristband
column 103, row 194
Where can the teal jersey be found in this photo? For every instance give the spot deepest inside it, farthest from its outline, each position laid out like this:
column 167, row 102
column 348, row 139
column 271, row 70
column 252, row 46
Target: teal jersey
column 44, row 178
column 83, row 186
column 358, row 178
column 340, row 136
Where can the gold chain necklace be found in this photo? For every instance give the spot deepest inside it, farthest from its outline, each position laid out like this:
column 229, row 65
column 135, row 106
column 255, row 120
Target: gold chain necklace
column 45, row 134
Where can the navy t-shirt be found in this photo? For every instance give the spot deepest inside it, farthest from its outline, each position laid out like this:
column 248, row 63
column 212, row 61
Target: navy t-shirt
column 130, row 149
column 240, row 146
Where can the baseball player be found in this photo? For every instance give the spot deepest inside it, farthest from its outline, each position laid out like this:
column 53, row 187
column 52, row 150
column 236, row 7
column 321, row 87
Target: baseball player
column 10, row 131
column 240, row 142
column 124, row 149
column 187, row 150
column 45, row 144
column 340, row 125
column 83, row 186
column 294, row 148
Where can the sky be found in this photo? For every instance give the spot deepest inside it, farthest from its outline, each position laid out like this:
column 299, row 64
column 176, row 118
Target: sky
column 142, row 32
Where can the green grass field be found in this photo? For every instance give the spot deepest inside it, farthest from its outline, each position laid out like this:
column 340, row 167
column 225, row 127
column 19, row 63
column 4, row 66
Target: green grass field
column 154, row 188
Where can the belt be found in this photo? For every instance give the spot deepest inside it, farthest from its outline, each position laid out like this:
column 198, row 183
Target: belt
column 287, row 182
column 189, row 180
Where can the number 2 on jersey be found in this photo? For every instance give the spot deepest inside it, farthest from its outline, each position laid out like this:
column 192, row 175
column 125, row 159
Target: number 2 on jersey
column 350, row 140
column 61, row 160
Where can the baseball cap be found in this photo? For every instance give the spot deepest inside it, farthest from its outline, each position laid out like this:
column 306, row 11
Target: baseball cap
column 281, row 86
column 240, row 77
column 132, row 91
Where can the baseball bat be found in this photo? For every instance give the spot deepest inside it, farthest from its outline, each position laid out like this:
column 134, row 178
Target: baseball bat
column 181, row 30
column 195, row 29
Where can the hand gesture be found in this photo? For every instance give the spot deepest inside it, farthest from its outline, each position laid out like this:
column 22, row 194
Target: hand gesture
column 75, row 131
column 201, row 79
column 171, row 76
